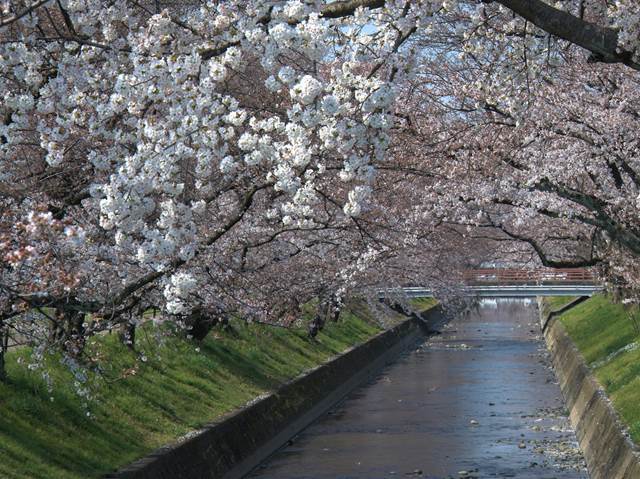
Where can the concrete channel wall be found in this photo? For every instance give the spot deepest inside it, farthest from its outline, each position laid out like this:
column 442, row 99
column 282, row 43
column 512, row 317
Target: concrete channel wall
column 232, row 447
column 609, row 452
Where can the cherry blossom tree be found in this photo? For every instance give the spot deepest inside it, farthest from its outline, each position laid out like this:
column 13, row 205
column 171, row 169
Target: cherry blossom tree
column 243, row 158
column 526, row 142
column 173, row 158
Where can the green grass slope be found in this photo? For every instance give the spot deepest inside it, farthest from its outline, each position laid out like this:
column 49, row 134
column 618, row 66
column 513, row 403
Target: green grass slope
column 49, row 435
column 423, row 304
column 557, row 302
column 553, row 303
column 607, row 339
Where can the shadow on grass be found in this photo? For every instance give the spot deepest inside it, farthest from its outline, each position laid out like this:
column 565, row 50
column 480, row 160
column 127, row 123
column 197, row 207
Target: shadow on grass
column 165, row 398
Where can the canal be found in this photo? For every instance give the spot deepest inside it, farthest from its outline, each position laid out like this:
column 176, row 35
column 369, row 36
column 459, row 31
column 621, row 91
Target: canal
column 477, row 401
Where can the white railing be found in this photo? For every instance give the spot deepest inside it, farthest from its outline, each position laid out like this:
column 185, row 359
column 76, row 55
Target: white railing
column 510, row 291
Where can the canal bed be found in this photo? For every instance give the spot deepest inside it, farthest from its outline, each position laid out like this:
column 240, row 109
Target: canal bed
column 477, row 401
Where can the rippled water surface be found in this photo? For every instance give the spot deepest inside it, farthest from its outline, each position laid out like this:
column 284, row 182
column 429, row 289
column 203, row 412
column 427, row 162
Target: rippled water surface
column 477, row 401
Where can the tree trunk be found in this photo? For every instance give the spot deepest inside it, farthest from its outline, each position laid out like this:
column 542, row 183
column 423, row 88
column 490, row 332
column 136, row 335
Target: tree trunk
column 320, row 319
column 4, row 346
column 128, row 335
column 73, row 333
column 335, row 309
column 315, row 326
column 56, row 331
column 200, row 323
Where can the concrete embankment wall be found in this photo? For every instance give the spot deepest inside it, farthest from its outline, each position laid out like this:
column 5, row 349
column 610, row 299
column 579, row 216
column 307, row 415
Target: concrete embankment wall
column 609, row 452
column 235, row 445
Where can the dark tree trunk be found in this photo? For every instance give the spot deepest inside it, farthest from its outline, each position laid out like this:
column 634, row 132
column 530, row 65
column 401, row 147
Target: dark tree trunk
column 57, row 328
column 227, row 327
column 316, row 326
column 73, row 333
column 335, row 309
column 319, row 320
column 128, row 335
column 200, row 323
column 4, row 345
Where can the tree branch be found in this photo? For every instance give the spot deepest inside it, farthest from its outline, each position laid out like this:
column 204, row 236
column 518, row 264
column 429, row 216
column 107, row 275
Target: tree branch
column 347, row 7
column 337, row 9
column 150, row 277
column 17, row 16
column 602, row 219
column 544, row 259
column 601, row 41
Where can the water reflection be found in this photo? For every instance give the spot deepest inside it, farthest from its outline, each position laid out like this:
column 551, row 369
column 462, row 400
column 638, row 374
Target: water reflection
column 478, row 399
column 494, row 303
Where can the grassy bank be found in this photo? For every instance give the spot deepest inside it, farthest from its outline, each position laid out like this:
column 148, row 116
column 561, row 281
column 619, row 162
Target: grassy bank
column 557, row 302
column 49, row 434
column 610, row 344
column 554, row 303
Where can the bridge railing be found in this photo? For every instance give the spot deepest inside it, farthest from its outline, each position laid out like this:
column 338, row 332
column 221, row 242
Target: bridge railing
column 505, row 276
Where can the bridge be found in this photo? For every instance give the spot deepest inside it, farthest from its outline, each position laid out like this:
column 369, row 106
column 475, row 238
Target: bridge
column 539, row 276
column 515, row 283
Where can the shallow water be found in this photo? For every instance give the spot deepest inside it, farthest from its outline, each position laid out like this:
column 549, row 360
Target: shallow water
column 478, row 399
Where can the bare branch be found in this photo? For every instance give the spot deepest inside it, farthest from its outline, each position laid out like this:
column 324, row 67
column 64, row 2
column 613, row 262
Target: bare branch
column 17, row 16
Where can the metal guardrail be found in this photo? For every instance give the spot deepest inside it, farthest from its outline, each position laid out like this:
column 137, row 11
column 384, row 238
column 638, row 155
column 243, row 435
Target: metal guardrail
column 506, row 291
column 514, row 283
